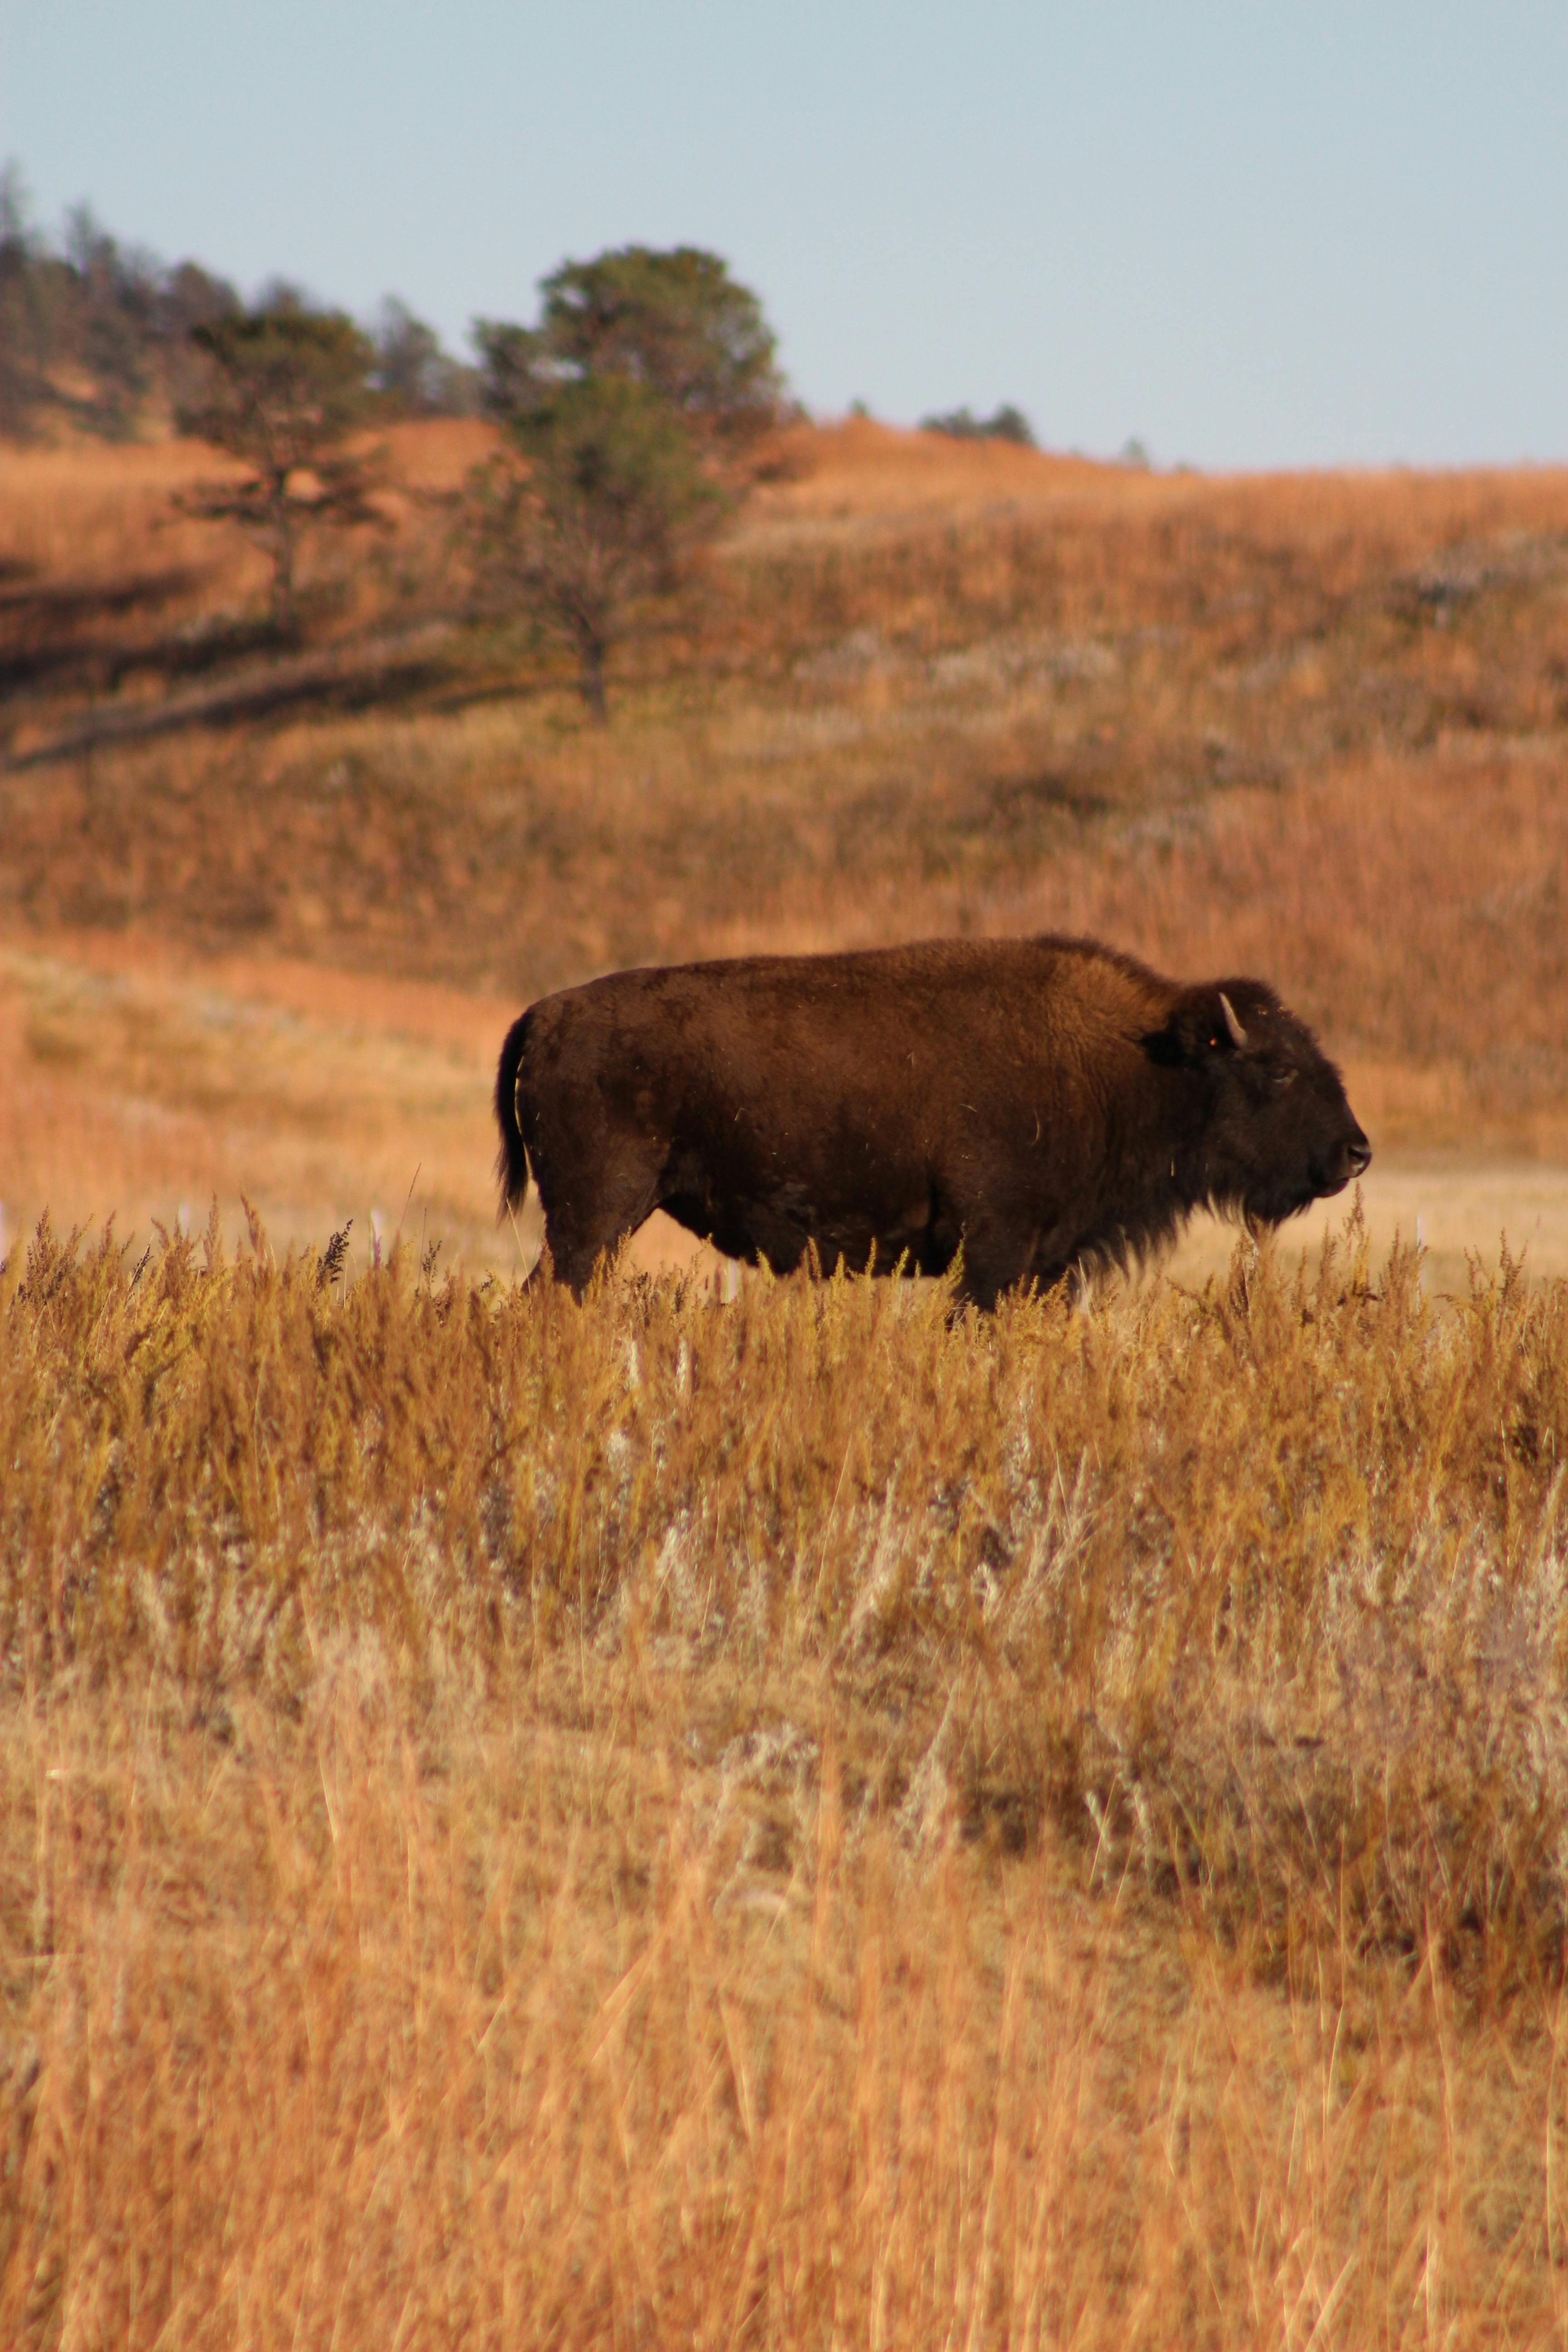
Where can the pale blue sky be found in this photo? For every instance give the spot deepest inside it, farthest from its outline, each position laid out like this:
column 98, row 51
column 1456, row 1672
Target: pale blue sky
column 1251, row 235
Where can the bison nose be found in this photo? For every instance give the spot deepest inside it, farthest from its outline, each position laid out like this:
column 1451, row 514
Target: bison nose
column 1359, row 1156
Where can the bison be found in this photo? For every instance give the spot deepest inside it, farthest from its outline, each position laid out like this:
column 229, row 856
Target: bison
column 1025, row 1106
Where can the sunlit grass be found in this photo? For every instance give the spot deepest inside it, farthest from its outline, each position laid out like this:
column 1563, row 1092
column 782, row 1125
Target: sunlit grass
column 794, row 1820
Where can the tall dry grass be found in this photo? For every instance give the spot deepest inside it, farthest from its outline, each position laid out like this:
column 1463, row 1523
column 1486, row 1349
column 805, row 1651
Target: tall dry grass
column 386, row 2027
column 795, row 1822
column 938, row 543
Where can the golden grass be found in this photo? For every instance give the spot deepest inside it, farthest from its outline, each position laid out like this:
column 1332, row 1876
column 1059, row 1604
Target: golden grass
column 857, row 469
column 781, row 1823
column 358, row 2045
column 940, row 530
column 95, row 511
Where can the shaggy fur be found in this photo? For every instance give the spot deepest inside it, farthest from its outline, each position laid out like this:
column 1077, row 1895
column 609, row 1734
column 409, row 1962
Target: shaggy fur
column 1036, row 1104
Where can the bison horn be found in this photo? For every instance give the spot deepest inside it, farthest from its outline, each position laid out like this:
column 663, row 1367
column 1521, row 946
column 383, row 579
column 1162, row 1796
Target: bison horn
column 1238, row 1033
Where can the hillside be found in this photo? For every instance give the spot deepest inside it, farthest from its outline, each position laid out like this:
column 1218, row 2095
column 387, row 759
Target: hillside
column 1310, row 726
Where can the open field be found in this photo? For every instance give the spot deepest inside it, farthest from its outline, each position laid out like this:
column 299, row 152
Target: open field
column 788, row 1823
column 745, row 1814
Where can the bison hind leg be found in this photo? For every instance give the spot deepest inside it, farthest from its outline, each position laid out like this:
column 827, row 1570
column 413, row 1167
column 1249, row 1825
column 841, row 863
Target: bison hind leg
column 598, row 1217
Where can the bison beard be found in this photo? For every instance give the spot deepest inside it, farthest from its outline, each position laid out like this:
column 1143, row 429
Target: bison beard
column 1036, row 1105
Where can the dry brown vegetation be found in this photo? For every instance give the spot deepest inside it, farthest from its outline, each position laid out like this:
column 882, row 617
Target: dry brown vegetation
column 794, row 1820
column 789, row 1822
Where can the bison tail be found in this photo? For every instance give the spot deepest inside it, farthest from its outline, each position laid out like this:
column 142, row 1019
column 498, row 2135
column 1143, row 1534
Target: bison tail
column 512, row 1166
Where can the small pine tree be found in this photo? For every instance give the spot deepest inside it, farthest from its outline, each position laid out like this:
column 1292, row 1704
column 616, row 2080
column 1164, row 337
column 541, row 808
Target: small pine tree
column 21, row 334
column 637, row 406
column 286, row 388
column 603, row 519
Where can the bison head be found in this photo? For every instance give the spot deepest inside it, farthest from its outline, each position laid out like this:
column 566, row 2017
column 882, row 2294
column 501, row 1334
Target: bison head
column 1277, row 1132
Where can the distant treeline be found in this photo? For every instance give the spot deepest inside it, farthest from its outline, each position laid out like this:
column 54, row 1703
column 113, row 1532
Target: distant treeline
column 95, row 334
column 1009, row 423
column 636, row 413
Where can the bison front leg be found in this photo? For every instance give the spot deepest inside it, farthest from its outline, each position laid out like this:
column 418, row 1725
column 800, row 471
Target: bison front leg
column 1000, row 1252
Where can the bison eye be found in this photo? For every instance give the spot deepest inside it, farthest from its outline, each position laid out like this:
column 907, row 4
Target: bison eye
column 1283, row 1078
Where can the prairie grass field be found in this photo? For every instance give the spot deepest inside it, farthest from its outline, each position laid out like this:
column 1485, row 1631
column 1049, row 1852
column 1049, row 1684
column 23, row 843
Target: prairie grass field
column 751, row 1812
column 789, row 1821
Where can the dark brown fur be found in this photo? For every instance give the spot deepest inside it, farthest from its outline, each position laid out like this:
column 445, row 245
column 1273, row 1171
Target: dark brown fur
column 1038, row 1103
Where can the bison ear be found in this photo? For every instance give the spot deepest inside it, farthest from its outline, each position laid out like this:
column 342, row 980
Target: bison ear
column 1203, row 1029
